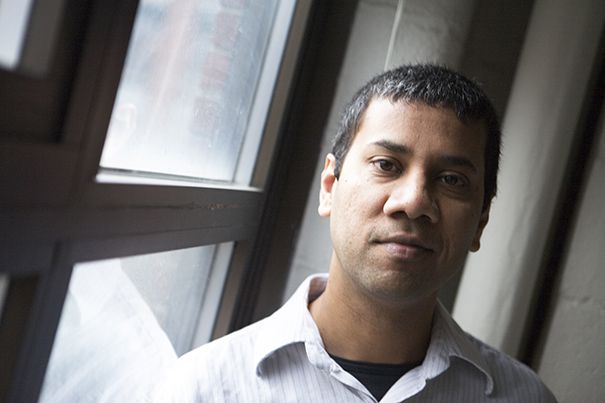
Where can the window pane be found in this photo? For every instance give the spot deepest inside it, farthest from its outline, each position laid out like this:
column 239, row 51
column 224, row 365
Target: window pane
column 125, row 321
column 14, row 15
column 28, row 32
column 188, row 87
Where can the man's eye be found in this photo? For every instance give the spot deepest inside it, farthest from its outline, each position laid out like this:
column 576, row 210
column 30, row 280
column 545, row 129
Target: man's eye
column 385, row 165
column 453, row 180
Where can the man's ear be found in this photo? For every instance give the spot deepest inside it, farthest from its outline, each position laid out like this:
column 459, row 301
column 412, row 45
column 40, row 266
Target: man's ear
column 476, row 243
column 327, row 183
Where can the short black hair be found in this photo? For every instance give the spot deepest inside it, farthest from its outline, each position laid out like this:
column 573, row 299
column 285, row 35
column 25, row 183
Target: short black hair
column 435, row 86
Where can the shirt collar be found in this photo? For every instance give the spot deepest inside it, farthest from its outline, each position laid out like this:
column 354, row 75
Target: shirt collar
column 449, row 340
column 293, row 323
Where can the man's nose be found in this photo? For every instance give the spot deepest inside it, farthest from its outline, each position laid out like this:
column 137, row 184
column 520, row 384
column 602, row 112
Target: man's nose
column 412, row 196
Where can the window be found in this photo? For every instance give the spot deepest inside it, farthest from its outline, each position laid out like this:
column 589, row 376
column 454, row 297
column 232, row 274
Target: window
column 126, row 320
column 13, row 24
column 188, row 87
column 28, row 34
column 134, row 200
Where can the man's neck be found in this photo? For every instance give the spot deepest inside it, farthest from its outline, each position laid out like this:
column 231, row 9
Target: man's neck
column 358, row 328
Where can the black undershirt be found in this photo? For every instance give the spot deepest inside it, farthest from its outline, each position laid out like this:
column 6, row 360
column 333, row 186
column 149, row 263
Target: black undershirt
column 377, row 378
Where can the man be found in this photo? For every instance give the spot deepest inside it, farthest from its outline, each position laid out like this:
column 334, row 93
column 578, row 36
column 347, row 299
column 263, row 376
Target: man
column 407, row 190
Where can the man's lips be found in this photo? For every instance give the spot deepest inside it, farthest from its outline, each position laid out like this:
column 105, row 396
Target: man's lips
column 405, row 246
column 406, row 240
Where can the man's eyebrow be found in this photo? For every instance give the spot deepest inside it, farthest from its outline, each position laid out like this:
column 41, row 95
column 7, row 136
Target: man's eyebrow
column 446, row 159
column 459, row 161
column 392, row 146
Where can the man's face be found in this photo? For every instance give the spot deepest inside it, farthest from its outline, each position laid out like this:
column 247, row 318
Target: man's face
column 408, row 204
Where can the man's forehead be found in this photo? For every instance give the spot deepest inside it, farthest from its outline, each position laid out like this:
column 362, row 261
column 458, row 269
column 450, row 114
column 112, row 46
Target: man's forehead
column 380, row 112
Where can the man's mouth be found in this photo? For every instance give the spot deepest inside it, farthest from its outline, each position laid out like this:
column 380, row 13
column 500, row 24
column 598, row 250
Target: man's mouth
column 406, row 247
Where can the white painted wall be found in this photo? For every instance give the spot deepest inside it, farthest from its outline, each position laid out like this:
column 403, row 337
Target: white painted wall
column 573, row 358
column 544, row 107
column 432, row 31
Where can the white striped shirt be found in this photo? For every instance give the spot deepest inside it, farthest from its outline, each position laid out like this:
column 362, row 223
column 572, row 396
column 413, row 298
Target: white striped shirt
column 282, row 359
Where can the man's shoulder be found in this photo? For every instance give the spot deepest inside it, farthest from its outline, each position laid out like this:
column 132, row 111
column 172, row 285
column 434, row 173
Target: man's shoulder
column 499, row 361
column 205, row 371
column 218, row 350
column 510, row 376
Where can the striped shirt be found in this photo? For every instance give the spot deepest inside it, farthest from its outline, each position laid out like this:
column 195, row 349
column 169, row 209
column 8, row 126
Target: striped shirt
column 282, row 359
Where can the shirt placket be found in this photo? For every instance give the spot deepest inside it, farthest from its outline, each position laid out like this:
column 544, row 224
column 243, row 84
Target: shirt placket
column 319, row 358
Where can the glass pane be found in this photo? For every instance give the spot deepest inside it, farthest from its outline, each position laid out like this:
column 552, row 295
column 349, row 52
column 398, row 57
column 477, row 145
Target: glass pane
column 188, row 87
column 28, row 32
column 125, row 321
column 14, row 15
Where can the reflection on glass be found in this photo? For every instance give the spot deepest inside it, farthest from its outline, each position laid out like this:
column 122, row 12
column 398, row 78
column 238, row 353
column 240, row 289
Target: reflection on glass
column 188, row 87
column 124, row 322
